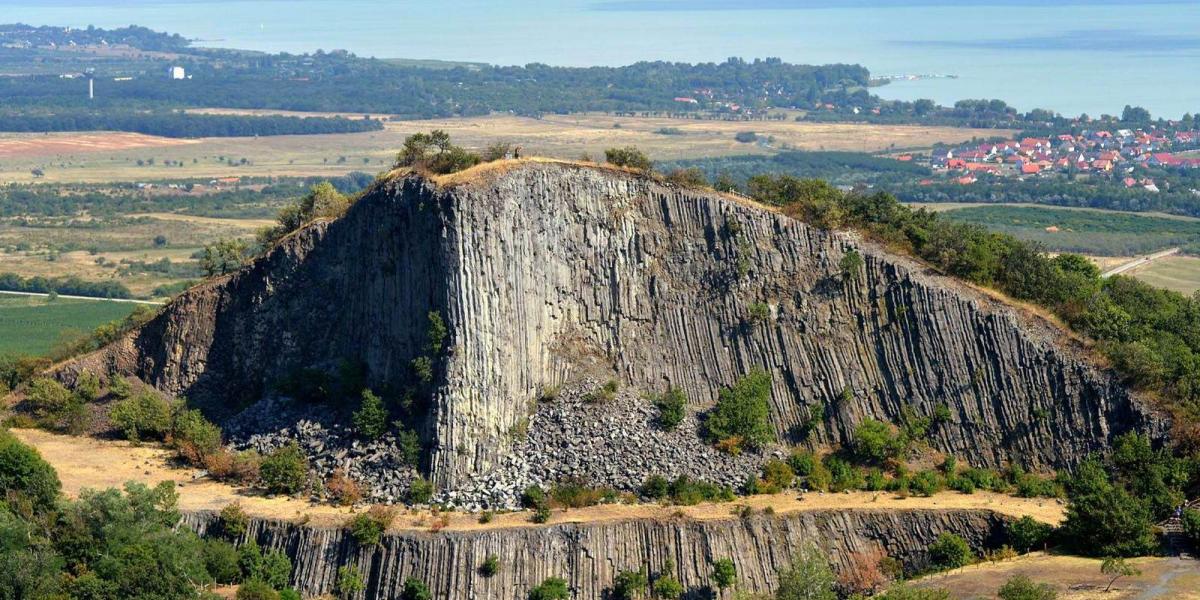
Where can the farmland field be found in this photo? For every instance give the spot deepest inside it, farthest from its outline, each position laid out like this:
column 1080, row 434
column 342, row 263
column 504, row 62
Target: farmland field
column 560, row 136
column 1104, row 233
column 33, row 324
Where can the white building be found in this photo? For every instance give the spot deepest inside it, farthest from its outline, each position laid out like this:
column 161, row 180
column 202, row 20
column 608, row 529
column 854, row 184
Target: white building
column 178, row 73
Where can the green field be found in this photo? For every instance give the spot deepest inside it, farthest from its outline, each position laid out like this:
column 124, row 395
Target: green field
column 32, row 325
column 1103, row 233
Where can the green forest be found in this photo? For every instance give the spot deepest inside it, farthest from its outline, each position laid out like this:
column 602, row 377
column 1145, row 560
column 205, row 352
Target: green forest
column 178, row 124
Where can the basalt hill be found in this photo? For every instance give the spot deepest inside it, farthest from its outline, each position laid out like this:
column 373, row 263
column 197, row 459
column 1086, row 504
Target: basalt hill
column 547, row 274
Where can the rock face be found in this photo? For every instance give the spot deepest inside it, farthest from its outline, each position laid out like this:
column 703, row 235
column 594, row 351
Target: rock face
column 588, row 556
column 549, row 272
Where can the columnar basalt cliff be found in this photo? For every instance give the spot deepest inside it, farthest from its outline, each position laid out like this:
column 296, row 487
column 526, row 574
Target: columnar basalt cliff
column 588, row 556
column 546, row 271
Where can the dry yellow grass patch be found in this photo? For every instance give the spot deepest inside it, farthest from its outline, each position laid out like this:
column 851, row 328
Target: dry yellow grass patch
column 1075, row 578
column 562, row 136
column 44, row 144
column 97, row 464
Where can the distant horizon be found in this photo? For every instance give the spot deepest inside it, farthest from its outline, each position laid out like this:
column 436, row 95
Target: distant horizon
column 1052, row 57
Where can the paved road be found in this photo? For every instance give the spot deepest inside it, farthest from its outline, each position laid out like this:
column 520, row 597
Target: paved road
column 128, row 301
column 1133, row 264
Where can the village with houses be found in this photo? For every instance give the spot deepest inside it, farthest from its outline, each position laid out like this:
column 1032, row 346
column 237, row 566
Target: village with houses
column 1122, row 155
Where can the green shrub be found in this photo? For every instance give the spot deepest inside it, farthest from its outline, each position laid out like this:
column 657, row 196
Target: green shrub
column 1104, row 519
column 420, row 491
column 656, row 487
column 875, row 441
column 965, row 485
column 776, row 477
column 926, row 483
column 1191, row 525
column 540, row 514
column 350, row 582
column 603, row 394
column 759, row 312
column 422, row 367
column 874, row 481
column 950, row 551
column 371, row 418
column 368, row 528
column 628, row 157
column 533, row 497
column 271, row 567
column 1030, row 485
column 410, row 445
column 256, row 590
column 807, row 578
column 984, row 479
column 552, row 588
column 365, row 531
column 119, row 387
column 234, row 521
column 1027, row 534
column 87, row 387
column 908, row 592
column 819, row 479
column 289, row 594
column 309, row 385
column 25, row 474
column 576, row 494
column 667, row 587
column 670, row 405
column 1020, row 587
column 143, row 416
column 284, row 470
column 742, row 413
column 630, row 585
column 415, row 589
column 490, row 566
column 194, row 437
column 724, row 573
column 802, row 462
column 221, row 561
column 687, row 492
column 843, row 475
column 47, row 400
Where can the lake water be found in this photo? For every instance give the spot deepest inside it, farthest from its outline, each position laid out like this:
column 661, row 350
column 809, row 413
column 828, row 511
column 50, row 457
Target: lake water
column 1073, row 56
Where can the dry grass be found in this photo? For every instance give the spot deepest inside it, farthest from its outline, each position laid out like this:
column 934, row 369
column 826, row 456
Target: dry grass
column 56, row 144
column 569, row 136
column 1075, row 578
column 1177, row 273
column 130, row 240
column 97, row 464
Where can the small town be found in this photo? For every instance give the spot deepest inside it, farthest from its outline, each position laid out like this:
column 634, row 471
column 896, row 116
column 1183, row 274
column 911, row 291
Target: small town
column 1120, row 155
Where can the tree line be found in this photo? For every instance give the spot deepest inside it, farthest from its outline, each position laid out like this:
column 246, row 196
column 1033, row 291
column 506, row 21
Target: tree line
column 71, row 286
column 340, row 82
column 179, row 124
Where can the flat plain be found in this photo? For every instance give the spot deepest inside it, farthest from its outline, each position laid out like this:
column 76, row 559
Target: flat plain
column 96, row 158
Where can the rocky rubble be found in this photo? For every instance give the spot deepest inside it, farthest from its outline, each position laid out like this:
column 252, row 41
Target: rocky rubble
column 615, row 443
column 328, row 444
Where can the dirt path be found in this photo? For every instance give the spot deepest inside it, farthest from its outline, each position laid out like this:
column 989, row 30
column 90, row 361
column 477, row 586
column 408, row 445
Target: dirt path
column 84, row 463
column 69, row 297
column 1165, row 584
column 1138, row 262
